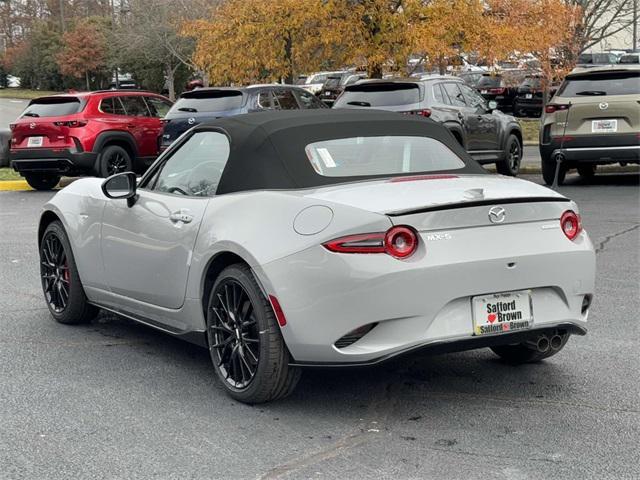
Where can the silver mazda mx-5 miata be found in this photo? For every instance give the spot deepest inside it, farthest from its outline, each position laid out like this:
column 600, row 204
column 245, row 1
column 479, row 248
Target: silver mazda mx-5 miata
column 287, row 239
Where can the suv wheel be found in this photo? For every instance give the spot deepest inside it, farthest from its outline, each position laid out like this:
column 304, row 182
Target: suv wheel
column 549, row 171
column 39, row 181
column 587, row 171
column 114, row 159
column 510, row 165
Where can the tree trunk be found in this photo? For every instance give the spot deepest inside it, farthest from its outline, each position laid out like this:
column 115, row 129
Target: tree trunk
column 86, row 77
column 288, row 55
column 374, row 70
column 170, row 73
column 442, row 65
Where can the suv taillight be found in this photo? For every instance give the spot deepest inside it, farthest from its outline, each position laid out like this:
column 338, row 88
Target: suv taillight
column 497, row 91
column 399, row 242
column 71, row 123
column 570, row 224
column 425, row 112
column 554, row 107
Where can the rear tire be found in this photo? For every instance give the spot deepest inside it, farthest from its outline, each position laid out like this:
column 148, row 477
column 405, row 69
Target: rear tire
column 61, row 283
column 114, row 159
column 251, row 372
column 41, row 181
column 587, row 171
column 549, row 171
column 523, row 353
column 510, row 165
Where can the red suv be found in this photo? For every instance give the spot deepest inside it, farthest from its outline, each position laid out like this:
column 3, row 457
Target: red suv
column 94, row 133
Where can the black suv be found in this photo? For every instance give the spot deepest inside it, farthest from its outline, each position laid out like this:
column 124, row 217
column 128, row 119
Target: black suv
column 500, row 87
column 334, row 85
column 203, row 104
column 487, row 134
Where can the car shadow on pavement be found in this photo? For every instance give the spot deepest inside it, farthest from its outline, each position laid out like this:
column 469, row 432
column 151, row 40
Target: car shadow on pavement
column 400, row 385
column 607, row 179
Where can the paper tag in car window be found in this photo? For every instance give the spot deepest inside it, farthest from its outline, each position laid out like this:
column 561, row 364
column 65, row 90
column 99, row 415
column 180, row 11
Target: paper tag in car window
column 326, row 157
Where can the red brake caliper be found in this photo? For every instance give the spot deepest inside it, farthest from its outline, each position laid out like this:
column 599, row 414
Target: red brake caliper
column 66, row 271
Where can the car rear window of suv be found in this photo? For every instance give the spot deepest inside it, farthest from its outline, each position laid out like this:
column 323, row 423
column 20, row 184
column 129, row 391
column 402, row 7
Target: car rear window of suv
column 207, row 101
column 53, row 107
column 489, row 81
column 597, row 84
column 379, row 95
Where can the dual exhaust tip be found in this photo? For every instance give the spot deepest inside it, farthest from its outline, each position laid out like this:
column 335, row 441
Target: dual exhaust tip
column 543, row 343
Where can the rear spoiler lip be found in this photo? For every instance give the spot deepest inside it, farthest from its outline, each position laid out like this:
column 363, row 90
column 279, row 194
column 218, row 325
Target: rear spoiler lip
column 475, row 203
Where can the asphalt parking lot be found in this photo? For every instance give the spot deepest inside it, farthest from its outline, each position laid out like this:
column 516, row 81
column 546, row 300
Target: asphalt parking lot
column 117, row 400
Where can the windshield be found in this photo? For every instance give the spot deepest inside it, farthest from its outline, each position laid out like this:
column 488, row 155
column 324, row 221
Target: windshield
column 596, row 58
column 531, row 82
column 208, row 101
column 614, row 83
column 388, row 155
column 630, row 59
column 53, row 107
column 379, row 95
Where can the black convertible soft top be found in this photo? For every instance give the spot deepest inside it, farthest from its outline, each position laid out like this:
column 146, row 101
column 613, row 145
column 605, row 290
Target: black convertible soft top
column 268, row 148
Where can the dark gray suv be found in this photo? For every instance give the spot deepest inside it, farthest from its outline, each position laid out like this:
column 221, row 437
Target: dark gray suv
column 487, row 134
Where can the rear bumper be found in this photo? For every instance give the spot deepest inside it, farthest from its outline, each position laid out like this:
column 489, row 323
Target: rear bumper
column 596, row 149
column 64, row 162
column 425, row 301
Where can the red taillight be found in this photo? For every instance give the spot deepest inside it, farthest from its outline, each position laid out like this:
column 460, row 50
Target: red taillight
column 425, row 112
column 399, row 242
column 552, row 107
column 71, row 123
column 570, row 224
column 497, row 91
column 282, row 321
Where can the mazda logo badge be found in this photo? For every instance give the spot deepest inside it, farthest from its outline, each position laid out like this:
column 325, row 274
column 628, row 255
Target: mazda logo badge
column 497, row 214
column 603, row 105
column 191, row 121
column 32, row 126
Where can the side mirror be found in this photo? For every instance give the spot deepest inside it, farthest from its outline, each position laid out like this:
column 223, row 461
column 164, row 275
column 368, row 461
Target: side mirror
column 493, row 105
column 121, row 186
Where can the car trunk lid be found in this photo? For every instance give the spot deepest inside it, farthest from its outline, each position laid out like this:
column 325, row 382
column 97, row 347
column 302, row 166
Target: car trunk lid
column 431, row 202
column 48, row 122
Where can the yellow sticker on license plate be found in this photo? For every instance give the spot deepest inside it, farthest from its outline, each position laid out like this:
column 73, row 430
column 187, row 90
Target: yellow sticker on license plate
column 502, row 312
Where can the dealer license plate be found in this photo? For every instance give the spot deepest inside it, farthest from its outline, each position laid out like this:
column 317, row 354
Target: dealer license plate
column 528, row 96
column 502, row 312
column 35, row 141
column 484, row 91
column 604, row 126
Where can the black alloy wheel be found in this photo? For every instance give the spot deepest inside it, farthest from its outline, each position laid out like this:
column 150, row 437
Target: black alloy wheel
column 510, row 165
column 233, row 334
column 246, row 346
column 114, row 159
column 61, row 285
column 54, row 270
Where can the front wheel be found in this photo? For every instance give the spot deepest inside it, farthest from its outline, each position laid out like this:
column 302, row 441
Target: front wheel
column 248, row 352
column 42, row 181
column 61, row 284
column 587, row 171
column 510, row 165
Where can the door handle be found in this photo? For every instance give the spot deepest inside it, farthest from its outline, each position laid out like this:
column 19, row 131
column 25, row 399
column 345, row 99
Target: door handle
column 180, row 216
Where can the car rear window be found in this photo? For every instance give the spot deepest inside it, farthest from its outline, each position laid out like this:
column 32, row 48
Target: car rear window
column 332, row 82
column 380, row 155
column 626, row 59
column 379, row 95
column 531, row 82
column 53, row 107
column 208, row 101
column 596, row 58
column 489, row 81
column 609, row 83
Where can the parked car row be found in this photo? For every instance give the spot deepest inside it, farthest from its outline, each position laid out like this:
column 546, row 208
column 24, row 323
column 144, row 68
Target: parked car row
column 106, row 132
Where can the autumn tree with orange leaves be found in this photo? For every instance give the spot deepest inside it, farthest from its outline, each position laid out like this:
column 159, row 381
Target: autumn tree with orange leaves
column 263, row 40
column 84, row 51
